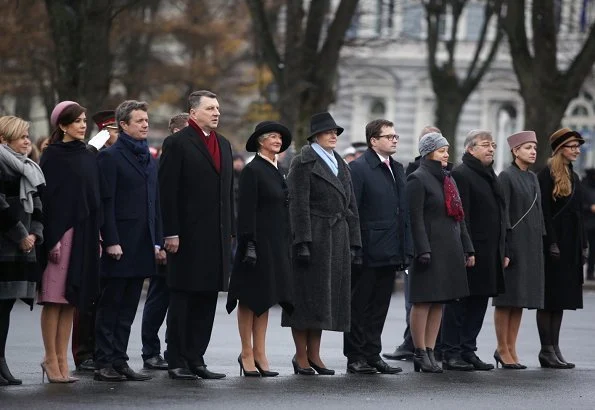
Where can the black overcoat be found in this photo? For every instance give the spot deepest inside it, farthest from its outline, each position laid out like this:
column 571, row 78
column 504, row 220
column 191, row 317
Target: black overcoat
column 263, row 217
column 485, row 218
column 197, row 206
column 383, row 211
column 564, row 226
column 323, row 214
column 131, row 212
column 433, row 231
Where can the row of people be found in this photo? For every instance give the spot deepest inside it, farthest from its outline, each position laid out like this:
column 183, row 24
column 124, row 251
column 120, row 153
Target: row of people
column 325, row 243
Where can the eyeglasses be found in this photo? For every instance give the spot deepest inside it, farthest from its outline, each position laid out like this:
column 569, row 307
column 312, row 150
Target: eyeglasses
column 488, row 145
column 390, row 137
column 576, row 147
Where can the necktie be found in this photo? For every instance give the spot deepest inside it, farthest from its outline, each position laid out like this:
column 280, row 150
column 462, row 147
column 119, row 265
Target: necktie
column 387, row 163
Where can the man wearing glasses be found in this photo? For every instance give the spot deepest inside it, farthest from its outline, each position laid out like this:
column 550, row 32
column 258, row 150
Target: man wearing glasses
column 484, row 206
column 379, row 187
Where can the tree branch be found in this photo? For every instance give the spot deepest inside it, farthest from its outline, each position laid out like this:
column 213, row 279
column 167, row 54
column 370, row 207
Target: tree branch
column 581, row 66
column 514, row 26
column 451, row 44
column 264, row 36
column 315, row 21
column 544, row 37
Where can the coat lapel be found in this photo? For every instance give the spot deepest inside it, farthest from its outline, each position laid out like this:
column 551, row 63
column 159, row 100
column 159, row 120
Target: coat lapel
column 131, row 158
column 323, row 171
column 197, row 141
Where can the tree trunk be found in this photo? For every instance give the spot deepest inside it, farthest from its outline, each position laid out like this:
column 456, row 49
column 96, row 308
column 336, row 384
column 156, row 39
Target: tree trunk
column 448, row 111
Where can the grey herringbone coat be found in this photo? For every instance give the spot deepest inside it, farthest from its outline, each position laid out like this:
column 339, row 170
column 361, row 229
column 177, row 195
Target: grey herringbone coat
column 323, row 213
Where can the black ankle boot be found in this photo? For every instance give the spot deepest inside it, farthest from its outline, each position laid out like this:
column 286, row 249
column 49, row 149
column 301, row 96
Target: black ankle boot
column 5, row 373
column 547, row 358
column 421, row 361
column 435, row 365
column 561, row 358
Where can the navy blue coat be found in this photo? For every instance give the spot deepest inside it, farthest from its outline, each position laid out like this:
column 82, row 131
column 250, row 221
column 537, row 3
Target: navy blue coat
column 383, row 211
column 132, row 214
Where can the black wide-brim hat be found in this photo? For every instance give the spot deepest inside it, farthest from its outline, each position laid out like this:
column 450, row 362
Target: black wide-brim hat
column 264, row 128
column 322, row 122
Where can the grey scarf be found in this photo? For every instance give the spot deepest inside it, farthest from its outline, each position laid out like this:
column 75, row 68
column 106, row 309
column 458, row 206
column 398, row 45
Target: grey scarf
column 18, row 165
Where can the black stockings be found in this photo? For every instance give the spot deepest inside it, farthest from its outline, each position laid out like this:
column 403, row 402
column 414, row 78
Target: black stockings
column 5, row 308
column 548, row 325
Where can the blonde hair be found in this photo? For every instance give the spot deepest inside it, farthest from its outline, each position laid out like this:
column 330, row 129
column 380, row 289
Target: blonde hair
column 560, row 172
column 12, row 128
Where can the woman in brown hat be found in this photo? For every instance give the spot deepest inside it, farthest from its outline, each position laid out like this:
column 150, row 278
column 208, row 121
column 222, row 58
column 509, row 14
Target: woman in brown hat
column 260, row 276
column 523, row 276
column 564, row 246
column 325, row 224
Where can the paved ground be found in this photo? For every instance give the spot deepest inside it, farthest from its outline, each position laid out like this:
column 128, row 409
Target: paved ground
column 527, row 389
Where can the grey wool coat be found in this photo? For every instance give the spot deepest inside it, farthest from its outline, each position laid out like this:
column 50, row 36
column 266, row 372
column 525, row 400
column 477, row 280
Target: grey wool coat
column 445, row 277
column 323, row 213
column 524, row 277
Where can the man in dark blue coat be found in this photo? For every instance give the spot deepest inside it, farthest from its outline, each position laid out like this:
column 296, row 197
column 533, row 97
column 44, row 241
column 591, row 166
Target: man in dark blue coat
column 379, row 187
column 131, row 235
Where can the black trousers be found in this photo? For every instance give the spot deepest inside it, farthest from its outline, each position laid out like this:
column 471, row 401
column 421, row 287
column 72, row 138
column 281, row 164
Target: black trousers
column 189, row 327
column 153, row 316
column 371, row 290
column 591, row 259
column 83, row 334
column 461, row 323
column 116, row 309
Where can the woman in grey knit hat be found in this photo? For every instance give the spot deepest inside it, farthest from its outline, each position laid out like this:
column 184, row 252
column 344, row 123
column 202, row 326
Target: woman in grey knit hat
column 442, row 247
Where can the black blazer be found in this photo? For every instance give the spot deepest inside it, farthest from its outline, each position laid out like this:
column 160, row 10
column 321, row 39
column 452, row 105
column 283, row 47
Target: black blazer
column 197, row 203
column 383, row 210
column 132, row 214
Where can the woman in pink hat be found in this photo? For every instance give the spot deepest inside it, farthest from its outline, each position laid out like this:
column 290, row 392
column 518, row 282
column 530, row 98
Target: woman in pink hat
column 523, row 276
column 71, row 203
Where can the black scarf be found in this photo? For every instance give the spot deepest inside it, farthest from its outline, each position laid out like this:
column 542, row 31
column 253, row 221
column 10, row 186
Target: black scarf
column 140, row 149
column 487, row 173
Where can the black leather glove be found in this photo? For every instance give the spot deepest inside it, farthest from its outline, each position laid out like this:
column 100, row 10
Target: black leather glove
column 554, row 251
column 250, row 254
column 424, row 258
column 302, row 253
column 355, row 258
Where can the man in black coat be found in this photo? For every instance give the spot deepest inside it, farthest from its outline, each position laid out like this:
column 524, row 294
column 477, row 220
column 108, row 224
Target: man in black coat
column 485, row 217
column 196, row 182
column 131, row 235
column 158, row 294
column 379, row 187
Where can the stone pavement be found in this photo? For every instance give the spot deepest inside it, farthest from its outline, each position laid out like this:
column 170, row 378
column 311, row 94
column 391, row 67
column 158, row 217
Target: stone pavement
column 527, row 389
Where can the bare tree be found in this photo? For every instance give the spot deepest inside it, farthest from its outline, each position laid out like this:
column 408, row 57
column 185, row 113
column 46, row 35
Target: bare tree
column 546, row 88
column 452, row 91
column 304, row 68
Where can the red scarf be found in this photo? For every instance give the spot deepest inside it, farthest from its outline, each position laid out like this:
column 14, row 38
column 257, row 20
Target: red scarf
column 452, row 200
column 211, row 142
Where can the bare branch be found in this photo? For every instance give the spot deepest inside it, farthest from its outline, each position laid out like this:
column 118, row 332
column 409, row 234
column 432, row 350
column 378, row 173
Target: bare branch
column 265, row 38
column 544, row 37
column 581, row 66
column 514, row 25
column 314, row 24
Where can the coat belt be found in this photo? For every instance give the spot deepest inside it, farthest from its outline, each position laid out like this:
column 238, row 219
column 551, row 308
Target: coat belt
column 333, row 217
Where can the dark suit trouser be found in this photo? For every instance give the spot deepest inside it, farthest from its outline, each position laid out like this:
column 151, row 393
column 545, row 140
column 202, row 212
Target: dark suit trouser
column 83, row 334
column 153, row 316
column 461, row 324
column 371, row 290
column 189, row 327
column 116, row 309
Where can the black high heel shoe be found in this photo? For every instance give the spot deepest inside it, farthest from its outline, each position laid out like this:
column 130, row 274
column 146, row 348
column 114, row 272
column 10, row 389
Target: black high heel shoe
column 510, row 366
column 6, row 374
column 306, row 371
column 247, row 373
column 548, row 359
column 265, row 373
column 421, row 362
column 321, row 370
column 435, row 365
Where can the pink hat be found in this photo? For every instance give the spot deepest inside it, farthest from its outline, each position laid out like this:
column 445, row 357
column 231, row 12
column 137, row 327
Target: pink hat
column 520, row 138
column 58, row 110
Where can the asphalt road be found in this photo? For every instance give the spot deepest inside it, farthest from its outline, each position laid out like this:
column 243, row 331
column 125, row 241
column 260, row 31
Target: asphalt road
column 527, row 389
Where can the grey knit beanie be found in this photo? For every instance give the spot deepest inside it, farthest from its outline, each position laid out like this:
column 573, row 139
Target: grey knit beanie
column 431, row 142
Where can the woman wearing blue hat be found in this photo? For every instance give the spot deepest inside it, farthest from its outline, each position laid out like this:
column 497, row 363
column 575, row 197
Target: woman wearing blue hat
column 326, row 234
column 260, row 276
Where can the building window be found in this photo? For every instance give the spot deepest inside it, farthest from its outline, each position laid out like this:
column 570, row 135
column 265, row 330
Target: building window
column 506, row 125
column 377, row 109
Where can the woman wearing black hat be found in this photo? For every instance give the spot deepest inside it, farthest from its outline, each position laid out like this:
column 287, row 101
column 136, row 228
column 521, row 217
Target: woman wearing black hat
column 326, row 234
column 261, row 272
column 565, row 245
